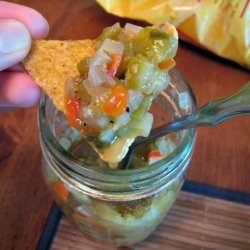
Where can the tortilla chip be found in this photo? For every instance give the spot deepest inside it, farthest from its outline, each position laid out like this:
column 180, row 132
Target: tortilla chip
column 52, row 62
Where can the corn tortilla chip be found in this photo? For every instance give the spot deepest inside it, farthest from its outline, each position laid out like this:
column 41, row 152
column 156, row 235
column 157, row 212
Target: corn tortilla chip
column 52, row 62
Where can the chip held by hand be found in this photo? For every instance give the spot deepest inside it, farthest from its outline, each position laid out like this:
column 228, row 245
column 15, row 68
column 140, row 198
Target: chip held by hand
column 51, row 62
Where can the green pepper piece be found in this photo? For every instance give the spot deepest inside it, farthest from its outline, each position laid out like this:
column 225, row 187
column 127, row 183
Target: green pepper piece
column 83, row 66
column 155, row 44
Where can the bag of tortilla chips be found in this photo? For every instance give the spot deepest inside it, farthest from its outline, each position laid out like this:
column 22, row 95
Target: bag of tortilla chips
column 221, row 26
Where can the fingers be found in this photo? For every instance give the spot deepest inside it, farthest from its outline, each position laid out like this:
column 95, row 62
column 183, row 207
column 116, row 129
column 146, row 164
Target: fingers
column 16, row 68
column 18, row 25
column 15, row 42
column 33, row 20
column 17, row 90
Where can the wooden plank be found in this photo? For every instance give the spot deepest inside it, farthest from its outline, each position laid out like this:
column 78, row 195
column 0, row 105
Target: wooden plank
column 200, row 222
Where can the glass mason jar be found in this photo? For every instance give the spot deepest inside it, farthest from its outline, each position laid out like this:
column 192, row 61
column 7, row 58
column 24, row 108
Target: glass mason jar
column 115, row 206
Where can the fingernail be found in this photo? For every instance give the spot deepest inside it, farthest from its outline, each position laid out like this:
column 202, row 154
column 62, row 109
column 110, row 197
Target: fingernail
column 14, row 36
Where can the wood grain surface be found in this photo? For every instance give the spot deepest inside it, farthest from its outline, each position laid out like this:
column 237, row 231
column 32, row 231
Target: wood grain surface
column 221, row 157
column 195, row 222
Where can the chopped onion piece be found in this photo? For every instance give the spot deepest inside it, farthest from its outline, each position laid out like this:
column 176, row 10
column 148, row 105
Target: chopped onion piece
column 87, row 112
column 113, row 47
column 123, row 119
column 65, row 143
column 97, row 79
column 98, row 76
column 132, row 29
column 165, row 145
column 71, row 87
column 184, row 101
column 100, row 58
column 97, row 92
column 72, row 134
column 107, row 136
column 98, row 69
column 102, row 121
column 135, row 98
column 162, row 145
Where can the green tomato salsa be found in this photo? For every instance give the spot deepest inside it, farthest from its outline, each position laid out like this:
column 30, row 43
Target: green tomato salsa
column 109, row 102
column 108, row 107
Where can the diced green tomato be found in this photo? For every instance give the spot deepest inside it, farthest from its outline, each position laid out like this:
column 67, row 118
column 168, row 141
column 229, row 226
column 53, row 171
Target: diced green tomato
column 155, row 44
column 83, row 66
column 137, row 127
column 143, row 108
column 128, row 51
column 145, row 76
column 141, row 121
column 110, row 32
column 158, row 82
column 139, row 73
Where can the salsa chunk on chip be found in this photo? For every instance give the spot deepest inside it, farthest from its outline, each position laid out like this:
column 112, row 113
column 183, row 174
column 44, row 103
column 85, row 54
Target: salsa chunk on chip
column 105, row 87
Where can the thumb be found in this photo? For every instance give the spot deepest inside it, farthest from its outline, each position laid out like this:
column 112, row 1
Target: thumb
column 15, row 42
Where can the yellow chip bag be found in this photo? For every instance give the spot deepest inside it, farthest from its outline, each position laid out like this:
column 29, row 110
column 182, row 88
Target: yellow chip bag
column 52, row 62
column 221, row 26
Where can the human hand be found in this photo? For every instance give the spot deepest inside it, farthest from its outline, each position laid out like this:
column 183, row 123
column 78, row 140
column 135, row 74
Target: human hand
column 18, row 25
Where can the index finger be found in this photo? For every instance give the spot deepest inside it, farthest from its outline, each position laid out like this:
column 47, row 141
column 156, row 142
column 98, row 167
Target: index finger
column 32, row 19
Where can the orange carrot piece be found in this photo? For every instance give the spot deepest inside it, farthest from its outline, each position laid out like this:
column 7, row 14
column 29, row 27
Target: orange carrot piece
column 167, row 64
column 117, row 103
column 61, row 191
column 72, row 111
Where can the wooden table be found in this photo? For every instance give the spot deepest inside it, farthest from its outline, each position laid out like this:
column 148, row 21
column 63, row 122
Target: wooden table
column 221, row 157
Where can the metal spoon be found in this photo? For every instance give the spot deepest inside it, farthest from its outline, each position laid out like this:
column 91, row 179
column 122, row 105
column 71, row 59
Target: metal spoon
column 214, row 112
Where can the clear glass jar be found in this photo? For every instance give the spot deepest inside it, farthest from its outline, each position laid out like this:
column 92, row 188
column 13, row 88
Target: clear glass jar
column 119, row 207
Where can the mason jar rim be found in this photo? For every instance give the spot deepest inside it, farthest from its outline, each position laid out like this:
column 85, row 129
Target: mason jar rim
column 79, row 168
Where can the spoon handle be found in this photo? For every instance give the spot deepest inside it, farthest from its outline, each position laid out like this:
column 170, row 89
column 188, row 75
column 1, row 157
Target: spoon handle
column 223, row 109
column 214, row 112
